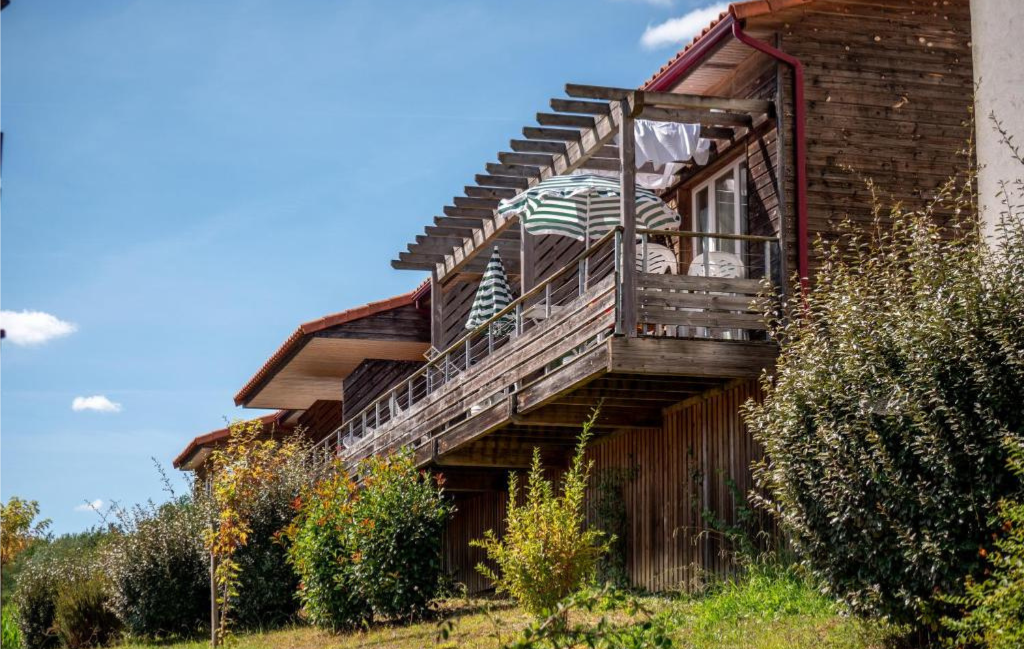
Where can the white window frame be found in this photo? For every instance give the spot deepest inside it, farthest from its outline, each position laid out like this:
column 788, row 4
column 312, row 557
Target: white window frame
column 738, row 211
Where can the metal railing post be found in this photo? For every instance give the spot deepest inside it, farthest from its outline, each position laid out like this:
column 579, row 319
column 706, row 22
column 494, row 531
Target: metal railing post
column 547, row 300
column 469, row 351
column 643, row 252
column 519, row 319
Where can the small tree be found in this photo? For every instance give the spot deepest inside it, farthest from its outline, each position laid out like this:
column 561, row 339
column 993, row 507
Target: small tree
column 253, row 481
column 18, row 529
column 899, row 377
column 547, row 552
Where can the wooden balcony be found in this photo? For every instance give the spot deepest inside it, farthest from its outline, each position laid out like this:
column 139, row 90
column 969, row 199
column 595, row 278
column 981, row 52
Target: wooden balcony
column 532, row 373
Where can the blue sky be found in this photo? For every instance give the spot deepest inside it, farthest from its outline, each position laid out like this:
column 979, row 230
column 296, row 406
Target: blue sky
column 184, row 183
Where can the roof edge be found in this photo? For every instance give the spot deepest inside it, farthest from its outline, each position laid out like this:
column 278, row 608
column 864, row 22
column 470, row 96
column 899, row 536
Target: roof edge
column 295, row 341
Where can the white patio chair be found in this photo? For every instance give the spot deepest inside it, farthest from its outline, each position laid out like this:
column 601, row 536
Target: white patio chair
column 721, row 264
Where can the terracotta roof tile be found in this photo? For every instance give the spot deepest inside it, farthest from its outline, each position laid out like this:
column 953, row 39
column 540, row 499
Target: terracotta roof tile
column 305, row 329
column 273, row 420
column 740, row 11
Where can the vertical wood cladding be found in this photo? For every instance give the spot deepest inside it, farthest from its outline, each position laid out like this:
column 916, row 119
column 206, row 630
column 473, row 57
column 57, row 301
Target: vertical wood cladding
column 474, row 515
column 681, row 470
column 370, row 379
column 678, row 472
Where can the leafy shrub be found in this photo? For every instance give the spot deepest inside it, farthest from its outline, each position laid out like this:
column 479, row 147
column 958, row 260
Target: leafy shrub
column 547, row 552
column 10, row 636
column 52, row 566
column 82, row 614
column 159, row 569
column 898, row 379
column 995, row 606
column 372, row 549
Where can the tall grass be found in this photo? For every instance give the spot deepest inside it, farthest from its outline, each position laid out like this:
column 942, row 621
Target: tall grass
column 11, row 636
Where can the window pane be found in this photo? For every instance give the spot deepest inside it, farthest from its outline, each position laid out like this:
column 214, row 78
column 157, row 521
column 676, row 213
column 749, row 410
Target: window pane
column 725, row 210
column 702, row 217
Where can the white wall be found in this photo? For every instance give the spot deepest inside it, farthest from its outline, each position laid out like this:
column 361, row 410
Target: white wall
column 997, row 28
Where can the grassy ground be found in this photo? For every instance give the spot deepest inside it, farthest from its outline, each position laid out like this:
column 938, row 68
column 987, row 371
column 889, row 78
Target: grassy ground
column 766, row 611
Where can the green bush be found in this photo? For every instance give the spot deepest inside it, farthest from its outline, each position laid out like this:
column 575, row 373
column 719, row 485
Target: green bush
column 11, row 636
column 51, row 566
column 159, row 570
column 82, row 614
column 898, row 379
column 547, row 552
column 995, row 605
column 372, row 549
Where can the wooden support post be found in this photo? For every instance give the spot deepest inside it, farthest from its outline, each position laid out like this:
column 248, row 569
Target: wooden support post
column 436, row 313
column 527, row 259
column 627, row 162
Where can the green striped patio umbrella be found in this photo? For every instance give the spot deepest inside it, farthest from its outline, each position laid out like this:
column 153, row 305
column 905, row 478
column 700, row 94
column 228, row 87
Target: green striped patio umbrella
column 492, row 296
column 574, row 205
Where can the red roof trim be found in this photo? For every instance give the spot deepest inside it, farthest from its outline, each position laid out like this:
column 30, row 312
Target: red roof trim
column 273, row 419
column 295, row 341
column 670, row 73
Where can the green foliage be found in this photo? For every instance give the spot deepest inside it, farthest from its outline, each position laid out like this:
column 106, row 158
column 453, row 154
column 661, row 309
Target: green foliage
column 159, row 569
column 898, row 379
column 641, row 629
column 10, row 636
column 82, row 615
column 372, row 549
column 18, row 528
column 547, row 552
column 52, row 566
column 995, row 605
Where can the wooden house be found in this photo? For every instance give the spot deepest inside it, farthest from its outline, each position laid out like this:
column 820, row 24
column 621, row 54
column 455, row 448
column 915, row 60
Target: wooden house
column 801, row 101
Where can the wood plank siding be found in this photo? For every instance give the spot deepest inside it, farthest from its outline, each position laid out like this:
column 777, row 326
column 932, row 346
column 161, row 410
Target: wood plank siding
column 888, row 88
column 371, row 378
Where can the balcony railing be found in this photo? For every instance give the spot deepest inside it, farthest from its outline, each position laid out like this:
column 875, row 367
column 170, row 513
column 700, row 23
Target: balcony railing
column 531, row 310
column 689, row 284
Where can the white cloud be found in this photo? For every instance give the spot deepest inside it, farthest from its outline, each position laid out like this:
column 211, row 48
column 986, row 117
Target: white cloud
column 97, row 402
column 678, row 30
column 93, row 506
column 33, row 327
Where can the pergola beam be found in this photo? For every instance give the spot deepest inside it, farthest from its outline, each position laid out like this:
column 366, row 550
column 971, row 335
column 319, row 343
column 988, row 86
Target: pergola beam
column 584, row 107
column 522, row 171
column 545, row 133
column 498, row 193
column 476, row 203
column 671, row 99
column 560, row 119
column 695, row 116
column 538, row 146
column 468, row 212
column 534, row 159
column 513, row 182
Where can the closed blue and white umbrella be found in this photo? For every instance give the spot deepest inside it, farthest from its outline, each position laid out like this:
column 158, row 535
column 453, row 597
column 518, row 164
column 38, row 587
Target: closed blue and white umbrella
column 493, row 295
column 580, row 205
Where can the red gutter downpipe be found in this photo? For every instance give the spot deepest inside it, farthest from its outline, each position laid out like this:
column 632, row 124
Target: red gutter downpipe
column 730, row 25
column 799, row 115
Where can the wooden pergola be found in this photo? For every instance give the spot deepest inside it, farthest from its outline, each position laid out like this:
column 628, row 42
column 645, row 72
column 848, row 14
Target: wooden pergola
column 576, row 135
